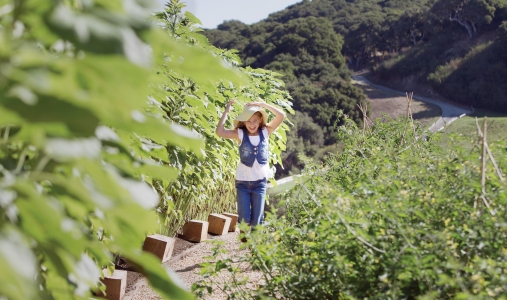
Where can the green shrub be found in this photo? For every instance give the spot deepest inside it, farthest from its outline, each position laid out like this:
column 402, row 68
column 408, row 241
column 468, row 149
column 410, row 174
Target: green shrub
column 386, row 221
column 391, row 217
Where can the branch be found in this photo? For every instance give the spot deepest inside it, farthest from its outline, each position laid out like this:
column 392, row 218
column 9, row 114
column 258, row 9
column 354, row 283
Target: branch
column 497, row 169
column 482, row 137
column 21, row 161
column 6, row 133
column 343, row 221
column 483, row 157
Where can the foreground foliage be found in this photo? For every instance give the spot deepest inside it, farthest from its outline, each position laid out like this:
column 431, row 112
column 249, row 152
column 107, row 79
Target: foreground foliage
column 391, row 217
column 88, row 130
column 73, row 90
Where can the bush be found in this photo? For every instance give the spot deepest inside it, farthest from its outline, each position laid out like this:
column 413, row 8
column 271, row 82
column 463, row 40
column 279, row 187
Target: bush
column 390, row 217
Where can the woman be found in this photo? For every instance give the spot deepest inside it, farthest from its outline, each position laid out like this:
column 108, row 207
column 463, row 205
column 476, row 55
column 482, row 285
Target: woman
column 252, row 133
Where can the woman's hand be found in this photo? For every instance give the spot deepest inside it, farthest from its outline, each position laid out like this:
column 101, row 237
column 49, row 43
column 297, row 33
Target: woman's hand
column 279, row 114
column 221, row 131
column 257, row 103
column 228, row 106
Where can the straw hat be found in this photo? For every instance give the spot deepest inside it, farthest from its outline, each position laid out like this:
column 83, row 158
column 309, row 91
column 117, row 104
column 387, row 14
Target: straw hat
column 247, row 113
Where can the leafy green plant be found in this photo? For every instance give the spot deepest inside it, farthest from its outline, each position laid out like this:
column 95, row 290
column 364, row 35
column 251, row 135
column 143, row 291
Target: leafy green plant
column 205, row 185
column 82, row 143
column 393, row 216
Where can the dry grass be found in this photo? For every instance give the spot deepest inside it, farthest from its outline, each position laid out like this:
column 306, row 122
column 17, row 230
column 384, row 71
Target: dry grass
column 467, row 127
column 395, row 106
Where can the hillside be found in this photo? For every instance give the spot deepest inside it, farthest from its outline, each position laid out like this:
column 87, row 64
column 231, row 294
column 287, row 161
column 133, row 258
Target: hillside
column 407, row 45
column 460, row 56
column 469, row 72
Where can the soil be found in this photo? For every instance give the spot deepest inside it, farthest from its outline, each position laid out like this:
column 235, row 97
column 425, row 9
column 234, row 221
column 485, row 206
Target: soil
column 393, row 105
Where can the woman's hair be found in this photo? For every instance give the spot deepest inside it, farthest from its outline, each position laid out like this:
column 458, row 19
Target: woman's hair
column 241, row 124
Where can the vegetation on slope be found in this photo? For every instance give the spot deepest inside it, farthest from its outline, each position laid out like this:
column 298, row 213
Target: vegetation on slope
column 393, row 216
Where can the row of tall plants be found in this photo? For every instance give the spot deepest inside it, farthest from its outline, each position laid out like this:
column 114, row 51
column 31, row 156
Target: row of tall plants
column 206, row 185
column 106, row 118
column 393, row 216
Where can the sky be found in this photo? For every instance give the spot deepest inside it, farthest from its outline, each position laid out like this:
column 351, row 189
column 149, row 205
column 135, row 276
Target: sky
column 214, row 12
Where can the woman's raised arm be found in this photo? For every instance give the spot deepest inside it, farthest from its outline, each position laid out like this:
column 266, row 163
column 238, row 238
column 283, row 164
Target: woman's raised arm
column 279, row 115
column 221, row 131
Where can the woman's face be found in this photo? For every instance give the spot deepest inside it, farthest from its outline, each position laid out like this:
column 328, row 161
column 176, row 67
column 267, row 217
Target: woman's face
column 253, row 123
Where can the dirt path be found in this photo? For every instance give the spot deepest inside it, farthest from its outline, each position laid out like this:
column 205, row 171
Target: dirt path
column 450, row 112
column 185, row 263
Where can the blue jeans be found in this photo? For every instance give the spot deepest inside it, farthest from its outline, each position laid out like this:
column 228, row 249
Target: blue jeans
column 251, row 197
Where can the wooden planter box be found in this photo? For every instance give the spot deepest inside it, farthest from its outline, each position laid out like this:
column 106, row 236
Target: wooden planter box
column 195, row 231
column 218, row 224
column 115, row 285
column 234, row 221
column 160, row 245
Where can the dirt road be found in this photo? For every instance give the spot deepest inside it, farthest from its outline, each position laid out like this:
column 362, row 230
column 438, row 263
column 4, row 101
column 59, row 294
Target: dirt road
column 450, row 112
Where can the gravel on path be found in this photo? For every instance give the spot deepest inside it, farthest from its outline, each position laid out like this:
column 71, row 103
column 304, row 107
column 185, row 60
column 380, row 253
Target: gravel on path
column 185, row 263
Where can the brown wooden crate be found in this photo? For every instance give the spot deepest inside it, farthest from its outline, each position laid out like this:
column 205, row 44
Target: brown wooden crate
column 160, row 245
column 115, row 285
column 234, row 221
column 218, row 224
column 195, row 231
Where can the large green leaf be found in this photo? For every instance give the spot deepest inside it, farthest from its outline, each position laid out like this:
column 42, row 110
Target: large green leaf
column 16, row 279
column 56, row 117
column 97, row 30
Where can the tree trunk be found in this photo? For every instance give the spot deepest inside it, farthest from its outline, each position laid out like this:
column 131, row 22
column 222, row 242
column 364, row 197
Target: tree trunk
column 414, row 37
column 464, row 23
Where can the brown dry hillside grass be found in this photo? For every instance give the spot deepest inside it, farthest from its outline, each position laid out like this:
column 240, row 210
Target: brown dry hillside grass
column 385, row 102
